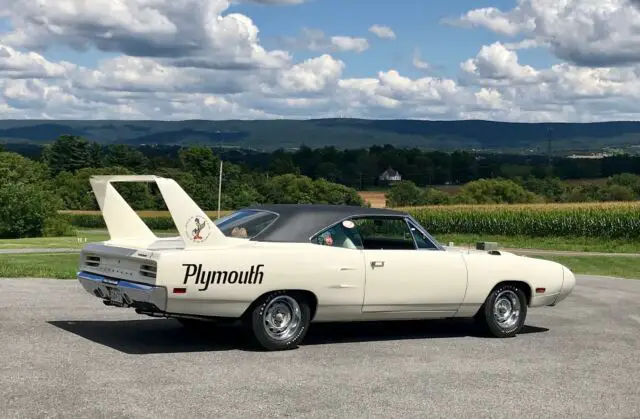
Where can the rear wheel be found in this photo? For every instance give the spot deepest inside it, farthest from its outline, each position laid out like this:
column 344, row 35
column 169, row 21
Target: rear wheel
column 279, row 321
column 504, row 312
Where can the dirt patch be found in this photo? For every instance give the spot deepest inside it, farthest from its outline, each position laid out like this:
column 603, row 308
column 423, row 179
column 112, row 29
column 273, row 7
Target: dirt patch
column 376, row 199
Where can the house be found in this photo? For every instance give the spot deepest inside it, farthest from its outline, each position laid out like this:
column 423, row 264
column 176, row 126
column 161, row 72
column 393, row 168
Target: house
column 390, row 175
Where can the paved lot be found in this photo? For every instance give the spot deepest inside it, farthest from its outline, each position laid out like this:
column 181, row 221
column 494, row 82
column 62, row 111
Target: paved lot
column 64, row 354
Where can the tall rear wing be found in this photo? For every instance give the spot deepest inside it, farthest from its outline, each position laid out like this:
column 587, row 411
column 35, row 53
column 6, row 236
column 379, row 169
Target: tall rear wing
column 127, row 228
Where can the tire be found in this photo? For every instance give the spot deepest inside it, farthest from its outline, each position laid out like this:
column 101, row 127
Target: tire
column 280, row 306
column 504, row 312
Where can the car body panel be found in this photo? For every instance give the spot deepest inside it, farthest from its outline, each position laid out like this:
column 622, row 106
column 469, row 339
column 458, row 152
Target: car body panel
column 414, row 281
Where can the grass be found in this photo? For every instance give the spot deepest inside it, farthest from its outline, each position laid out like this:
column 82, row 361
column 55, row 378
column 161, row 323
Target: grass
column 65, row 242
column 52, row 242
column 39, row 265
column 574, row 244
column 620, row 266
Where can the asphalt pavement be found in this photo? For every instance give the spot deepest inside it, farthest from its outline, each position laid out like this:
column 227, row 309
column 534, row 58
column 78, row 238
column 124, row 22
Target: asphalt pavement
column 66, row 355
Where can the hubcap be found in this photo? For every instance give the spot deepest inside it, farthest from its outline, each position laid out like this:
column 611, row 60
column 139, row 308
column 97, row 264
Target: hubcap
column 282, row 318
column 506, row 309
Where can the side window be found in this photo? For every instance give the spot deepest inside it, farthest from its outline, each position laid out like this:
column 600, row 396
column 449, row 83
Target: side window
column 422, row 241
column 343, row 235
column 385, row 233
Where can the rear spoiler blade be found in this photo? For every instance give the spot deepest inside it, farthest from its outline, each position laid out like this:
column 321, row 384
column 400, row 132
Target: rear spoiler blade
column 125, row 226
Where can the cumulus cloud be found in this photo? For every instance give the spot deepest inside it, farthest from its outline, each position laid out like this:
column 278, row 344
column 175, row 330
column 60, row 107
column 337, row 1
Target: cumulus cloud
column 418, row 62
column 185, row 59
column 496, row 64
column 382, row 31
column 316, row 40
column 194, row 30
column 347, row 43
column 583, row 32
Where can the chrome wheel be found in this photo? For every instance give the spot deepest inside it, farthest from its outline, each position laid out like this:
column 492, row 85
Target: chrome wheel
column 506, row 309
column 282, row 318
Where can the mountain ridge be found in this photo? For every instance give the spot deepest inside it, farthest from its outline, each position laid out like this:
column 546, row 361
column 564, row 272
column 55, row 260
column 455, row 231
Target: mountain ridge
column 271, row 134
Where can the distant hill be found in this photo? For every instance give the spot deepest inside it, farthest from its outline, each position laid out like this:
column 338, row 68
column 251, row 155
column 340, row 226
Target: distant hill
column 269, row 135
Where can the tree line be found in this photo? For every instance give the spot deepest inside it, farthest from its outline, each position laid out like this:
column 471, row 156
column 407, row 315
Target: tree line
column 355, row 168
column 36, row 185
column 32, row 191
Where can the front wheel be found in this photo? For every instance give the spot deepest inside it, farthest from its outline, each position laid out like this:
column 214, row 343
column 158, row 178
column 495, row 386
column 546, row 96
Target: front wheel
column 504, row 312
column 279, row 321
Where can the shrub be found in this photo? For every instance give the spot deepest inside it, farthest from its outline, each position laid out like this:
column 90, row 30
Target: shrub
column 28, row 210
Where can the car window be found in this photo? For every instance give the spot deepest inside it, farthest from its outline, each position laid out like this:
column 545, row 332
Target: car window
column 387, row 233
column 245, row 224
column 343, row 234
column 422, row 241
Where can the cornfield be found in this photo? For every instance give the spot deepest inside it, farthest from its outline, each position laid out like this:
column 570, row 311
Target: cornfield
column 620, row 220
column 611, row 220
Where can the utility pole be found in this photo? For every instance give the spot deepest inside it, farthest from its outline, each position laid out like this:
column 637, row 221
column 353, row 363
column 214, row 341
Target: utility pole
column 549, row 136
column 219, row 188
column 220, row 179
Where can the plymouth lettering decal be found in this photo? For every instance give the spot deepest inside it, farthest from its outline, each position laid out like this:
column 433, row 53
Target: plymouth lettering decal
column 208, row 277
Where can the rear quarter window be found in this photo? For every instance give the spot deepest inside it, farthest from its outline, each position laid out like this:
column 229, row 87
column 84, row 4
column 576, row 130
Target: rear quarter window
column 245, row 224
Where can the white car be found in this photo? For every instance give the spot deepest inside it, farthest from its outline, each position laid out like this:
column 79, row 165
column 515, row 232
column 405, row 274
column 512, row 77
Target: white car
column 278, row 268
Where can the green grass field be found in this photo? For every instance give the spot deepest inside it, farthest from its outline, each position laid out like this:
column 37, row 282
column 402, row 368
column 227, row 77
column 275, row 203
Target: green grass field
column 39, row 265
column 622, row 266
column 574, row 244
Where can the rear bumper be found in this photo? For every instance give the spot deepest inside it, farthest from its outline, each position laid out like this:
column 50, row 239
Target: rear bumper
column 142, row 296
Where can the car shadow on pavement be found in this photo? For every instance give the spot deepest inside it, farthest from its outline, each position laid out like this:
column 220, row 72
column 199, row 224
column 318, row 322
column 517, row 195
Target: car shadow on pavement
column 325, row 333
column 156, row 336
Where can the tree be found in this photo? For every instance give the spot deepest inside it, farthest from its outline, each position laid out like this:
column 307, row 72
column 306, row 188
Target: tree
column 15, row 168
column 403, row 194
column 496, row 191
column 29, row 210
column 75, row 189
column 68, row 153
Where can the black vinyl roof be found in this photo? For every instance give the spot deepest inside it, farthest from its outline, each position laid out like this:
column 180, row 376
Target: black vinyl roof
column 298, row 222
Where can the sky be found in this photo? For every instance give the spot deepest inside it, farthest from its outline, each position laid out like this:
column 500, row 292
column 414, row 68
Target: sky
column 502, row 60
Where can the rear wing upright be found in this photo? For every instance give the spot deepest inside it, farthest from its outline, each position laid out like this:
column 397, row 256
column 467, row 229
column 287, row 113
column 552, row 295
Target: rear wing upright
column 125, row 226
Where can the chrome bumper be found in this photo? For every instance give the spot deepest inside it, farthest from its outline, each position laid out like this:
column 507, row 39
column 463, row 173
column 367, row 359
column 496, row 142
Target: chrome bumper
column 140, row 296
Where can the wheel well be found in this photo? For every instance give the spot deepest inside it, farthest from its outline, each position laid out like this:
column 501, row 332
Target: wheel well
column 308, row 296
column 520, row 284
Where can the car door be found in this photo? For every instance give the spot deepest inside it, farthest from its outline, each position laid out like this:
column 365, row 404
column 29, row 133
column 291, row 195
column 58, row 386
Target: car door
column 404, row 273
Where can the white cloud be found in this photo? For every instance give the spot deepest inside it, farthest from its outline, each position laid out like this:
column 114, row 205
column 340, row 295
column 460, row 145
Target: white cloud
column 194, row 30
column 184, row 59
column 496, row 64
column 584, row 32
column 418, row 62
column 29, row 65
column 347, row 43
column 382, row 31
column 316, row 41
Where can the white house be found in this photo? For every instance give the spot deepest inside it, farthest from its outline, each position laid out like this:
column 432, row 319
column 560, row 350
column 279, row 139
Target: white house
column 390, row 175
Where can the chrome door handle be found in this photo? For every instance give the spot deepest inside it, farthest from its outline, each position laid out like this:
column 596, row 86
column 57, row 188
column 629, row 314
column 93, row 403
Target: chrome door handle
column 377, row 264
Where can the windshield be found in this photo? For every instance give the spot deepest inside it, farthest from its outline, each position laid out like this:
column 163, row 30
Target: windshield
column 245, row 223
